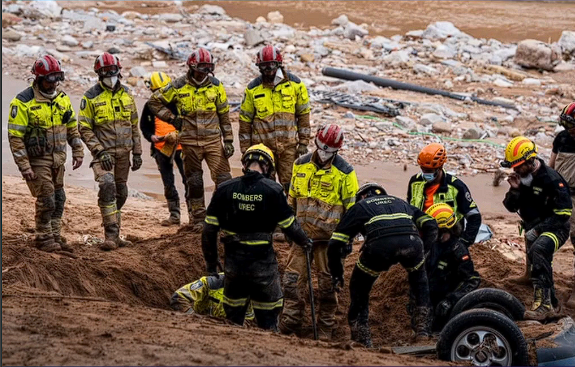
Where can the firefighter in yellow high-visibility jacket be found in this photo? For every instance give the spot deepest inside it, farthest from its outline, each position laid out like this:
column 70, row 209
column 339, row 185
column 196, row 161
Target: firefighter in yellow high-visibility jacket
column 275, row 111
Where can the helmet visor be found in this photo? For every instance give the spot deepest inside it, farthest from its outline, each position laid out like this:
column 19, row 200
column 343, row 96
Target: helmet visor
column 269, row 65
column 204, row 67
column 567, row 121
column 110, row 70
column 55, row 77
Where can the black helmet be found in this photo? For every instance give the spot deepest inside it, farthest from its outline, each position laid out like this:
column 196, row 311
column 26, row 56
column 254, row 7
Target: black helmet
column 369, row 189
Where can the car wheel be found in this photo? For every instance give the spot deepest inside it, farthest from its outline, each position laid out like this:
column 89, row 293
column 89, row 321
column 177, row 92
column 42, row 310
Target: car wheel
column 483, row 337
column 493, row 299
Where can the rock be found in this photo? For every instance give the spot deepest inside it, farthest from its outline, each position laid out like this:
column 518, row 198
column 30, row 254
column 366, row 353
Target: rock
column 159, row 64
column 58, row 55
column 417, row 34
column 444, row 52
column 341, row 20
column 514, row 132
column 69, row 41
column 133, row 81
column 11, row 35
column 110, row 27
column 48, row 8
column 536, row 54
column 472, row 133
column 503, row 100
column 9, row 19
column 424, row 69
column 502, row 83
column 567, row 42
column 511, row 74
column 366, row 54
column 253, row 37
column 28, row 51
column 448, row 84
column 440, row 30
column 114, row 50
column 442, row 127
column 95, row 24
column 405, row 122
column 289, row 49
column 212, row 9
column 351, row 30
column 307, row 57
column 505, row 53
column 87, row 44
column 171, row 17
column 531, row 81
column 356, row 87
column 349, row 115
column 275, row 17
column 131, row 15
column 396, row 59
column 138, row 71
column 431, row 118
column 63, row 48
column 260, row 20
column 564, row 66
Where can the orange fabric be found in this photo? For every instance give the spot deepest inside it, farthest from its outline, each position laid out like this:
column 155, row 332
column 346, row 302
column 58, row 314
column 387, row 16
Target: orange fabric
column 162, row 129
column 429, row 192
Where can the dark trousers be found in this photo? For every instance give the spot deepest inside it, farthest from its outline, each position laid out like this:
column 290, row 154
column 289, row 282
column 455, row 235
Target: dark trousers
column 540, row 255
column 166, row 169
column 379, row 255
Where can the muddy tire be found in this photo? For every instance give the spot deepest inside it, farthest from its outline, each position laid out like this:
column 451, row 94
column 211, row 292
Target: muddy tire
column 483, row 337
column 493, row 299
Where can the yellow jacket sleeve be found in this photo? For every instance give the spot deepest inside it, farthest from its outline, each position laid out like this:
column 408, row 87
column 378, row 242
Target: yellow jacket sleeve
column 349, row 190
column 247, row 113
column 302, row 112
column 86, row 127
column 17, row 126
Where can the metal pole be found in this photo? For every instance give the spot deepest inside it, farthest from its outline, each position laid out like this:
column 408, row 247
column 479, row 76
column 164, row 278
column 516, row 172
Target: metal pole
column 311, row 300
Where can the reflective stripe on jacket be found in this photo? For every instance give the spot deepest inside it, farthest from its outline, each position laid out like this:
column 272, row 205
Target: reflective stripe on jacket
column 321, row 196
column 204, row 110
column 109, row 121
column 29, row 109
column 277, row 117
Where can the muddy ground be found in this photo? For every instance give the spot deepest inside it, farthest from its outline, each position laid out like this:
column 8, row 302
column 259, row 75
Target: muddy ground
column 113, row 308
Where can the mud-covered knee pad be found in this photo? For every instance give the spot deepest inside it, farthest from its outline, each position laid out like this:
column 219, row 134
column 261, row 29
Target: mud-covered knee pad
column 59, row 201
column 223, row 177
column 290, row 284
column 46, row 204
column 107, row 192
column 121, row 194
column 195, row 183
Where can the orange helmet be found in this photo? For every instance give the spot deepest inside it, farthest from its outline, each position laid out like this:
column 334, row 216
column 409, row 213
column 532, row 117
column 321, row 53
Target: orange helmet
column 432, row 156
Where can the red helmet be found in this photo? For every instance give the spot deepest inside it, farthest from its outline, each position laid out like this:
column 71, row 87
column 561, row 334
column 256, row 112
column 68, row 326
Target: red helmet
column 267, row 54
column 48, row 67
column 107, row 65
column 329, row 138
column 567, row 117
column 201, row 59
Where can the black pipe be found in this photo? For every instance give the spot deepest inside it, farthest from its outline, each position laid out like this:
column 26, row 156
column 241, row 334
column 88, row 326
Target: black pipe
column 350, row 75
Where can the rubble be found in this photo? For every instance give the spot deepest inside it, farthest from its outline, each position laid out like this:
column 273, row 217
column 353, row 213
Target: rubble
column 391, row 124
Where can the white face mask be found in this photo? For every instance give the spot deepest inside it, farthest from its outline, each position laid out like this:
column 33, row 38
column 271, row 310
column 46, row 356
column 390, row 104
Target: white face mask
column 527, row 180
column 324, row 156
column 49, row 95
column 110, row 82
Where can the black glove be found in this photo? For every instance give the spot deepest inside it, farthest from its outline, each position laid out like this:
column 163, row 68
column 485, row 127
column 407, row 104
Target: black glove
column 177, row 122
column 346, row 250
column 301, row 149
column 308, row 246
column 443, row 308
column 212, row 269
column 228, row 149
column 106, row 161
column 66, row 117
column 136, row 162
column 337, row 282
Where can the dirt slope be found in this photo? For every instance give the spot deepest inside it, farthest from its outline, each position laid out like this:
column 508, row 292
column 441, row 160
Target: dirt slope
column 113, row 308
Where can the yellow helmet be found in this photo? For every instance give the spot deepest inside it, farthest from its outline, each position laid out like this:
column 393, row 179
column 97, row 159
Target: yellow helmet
column 518, row 151
column 258, row 152
column 443, row 215
column 158, row 80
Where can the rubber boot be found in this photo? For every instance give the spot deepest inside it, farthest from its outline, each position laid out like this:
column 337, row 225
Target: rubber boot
column 361, row 333
column 421, row 318
column 58, row 238
column 174, row 218
column 119, row 241
column 541, row 308
column 111, row 233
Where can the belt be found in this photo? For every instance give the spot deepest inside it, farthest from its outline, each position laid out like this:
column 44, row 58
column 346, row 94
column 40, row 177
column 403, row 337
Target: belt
column 258, row 238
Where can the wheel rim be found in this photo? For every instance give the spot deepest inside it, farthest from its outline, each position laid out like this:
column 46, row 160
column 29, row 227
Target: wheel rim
column 482, row 346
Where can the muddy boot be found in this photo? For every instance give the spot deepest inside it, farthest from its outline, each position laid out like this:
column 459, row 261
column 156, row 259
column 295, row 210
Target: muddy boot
column 120, row 241
column 111, row 233
column 289, row 329
column 360, row 333
column 422, row 320
column 45, row 242
column 524, row 279
column 541, row 308
column 174, row 218
column 58, row 238
column 325, row 334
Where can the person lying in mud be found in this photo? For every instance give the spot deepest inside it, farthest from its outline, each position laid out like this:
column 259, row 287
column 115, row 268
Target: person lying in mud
column 204, row 297
column 450, row 271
